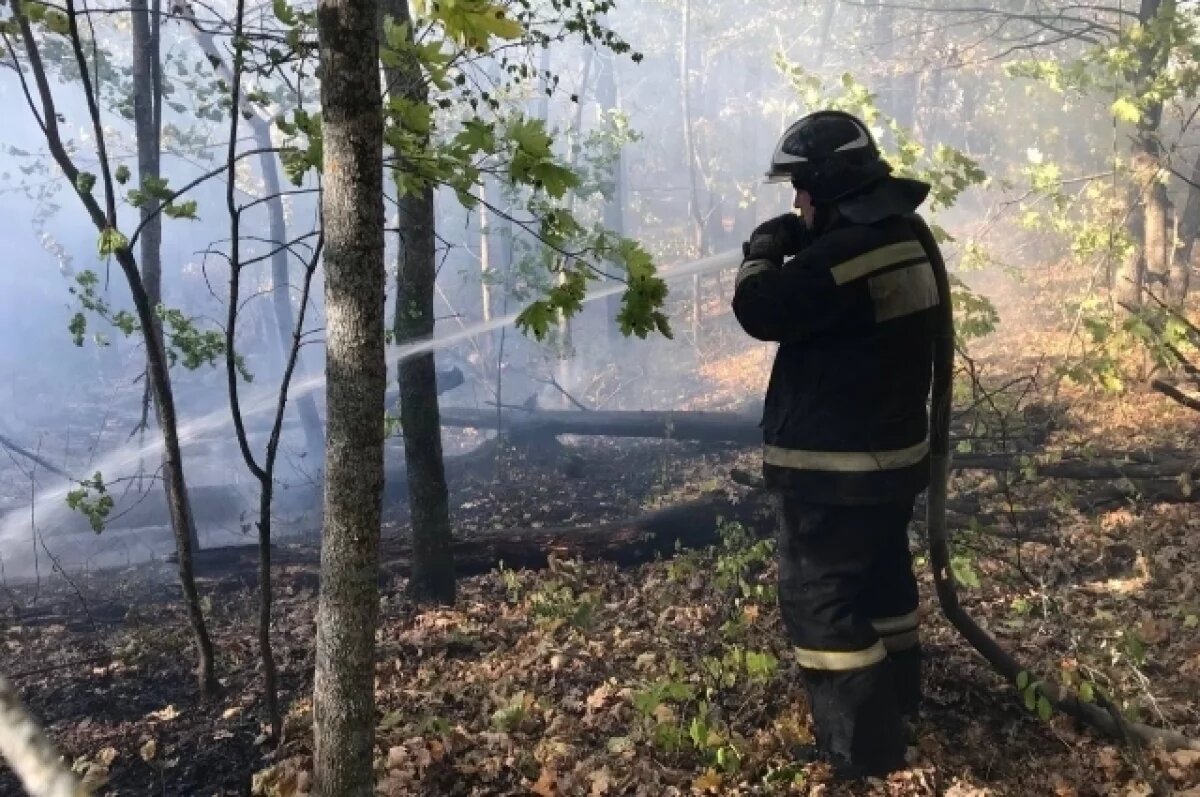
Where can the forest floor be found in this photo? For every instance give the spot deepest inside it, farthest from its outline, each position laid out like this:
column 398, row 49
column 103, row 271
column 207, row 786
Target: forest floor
column 671, row 677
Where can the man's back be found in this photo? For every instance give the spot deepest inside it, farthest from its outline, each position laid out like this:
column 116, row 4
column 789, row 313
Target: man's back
column 845, row 417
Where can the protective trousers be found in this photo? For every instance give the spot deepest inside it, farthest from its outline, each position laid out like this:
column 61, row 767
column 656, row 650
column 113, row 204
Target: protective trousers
column 849, row 601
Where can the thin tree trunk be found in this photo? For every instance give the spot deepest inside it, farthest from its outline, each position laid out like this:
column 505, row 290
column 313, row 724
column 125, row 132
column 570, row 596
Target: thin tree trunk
column 265, row 474
column 433, row 578
column 147, row 117
column 1147, row 224
column 883, row 48
column 566, row 351
column 826, row 29
column 281, row 289
column 689, row 153
column 486, row 274
column 608, row 101
column 157, row 370
column 1189, row 227
column 356, row 380
column 281, row 299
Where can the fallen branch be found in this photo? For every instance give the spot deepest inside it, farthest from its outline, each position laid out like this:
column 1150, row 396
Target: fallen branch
column 29, row 752
column 1176, row 395
column 32, row 457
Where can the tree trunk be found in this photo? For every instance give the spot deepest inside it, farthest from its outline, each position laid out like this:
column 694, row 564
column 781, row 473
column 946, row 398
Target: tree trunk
column 1147, row 266
column 281, row 289
column 1189, row 227
column 689, row 154
column 157, row 370
column 883, row 47
column 826, row 29
column 356, row 379
column 486, row 271
column 306, row 405
column 608, row 101
column 428, row 498
column 147, row 119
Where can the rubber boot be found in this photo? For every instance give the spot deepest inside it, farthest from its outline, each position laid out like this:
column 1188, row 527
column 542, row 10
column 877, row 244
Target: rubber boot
column 857, row 720
column 906, row 674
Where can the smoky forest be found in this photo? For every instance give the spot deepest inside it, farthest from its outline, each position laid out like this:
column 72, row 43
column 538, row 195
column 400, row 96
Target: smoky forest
column 385, row 404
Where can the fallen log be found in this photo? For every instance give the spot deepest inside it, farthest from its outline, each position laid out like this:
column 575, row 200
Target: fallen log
column 1079, row 469
column 715, row 427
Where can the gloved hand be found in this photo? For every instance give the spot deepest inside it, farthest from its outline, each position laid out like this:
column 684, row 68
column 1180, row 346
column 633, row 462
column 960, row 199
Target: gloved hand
column 776, row 239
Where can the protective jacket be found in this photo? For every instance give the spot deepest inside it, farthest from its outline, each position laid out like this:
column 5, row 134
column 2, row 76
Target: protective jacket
column 845, row 419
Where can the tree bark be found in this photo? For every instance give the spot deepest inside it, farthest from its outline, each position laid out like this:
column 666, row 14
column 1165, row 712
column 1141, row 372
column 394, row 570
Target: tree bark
column 432, row 578
column 356, row 379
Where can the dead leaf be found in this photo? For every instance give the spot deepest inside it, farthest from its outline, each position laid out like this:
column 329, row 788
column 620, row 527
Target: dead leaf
column 397, row 757
column 710, row 780
column 95, row 777
column 164, row 715
column 1061, row 787
column 546, row 784
column 599, row 697
column 150, row 749
column 1153, row 632
column 1186, row 758
column 1109, row 761
column 107, row 756
column 601, row 782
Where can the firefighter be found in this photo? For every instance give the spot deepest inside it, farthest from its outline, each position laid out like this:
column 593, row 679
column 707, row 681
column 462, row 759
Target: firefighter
column 847, row 290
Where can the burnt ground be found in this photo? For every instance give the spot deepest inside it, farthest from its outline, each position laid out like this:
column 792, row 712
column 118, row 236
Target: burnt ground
column 670, row 677
column 590, row 679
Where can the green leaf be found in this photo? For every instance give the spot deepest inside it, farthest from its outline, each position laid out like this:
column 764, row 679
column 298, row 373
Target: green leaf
column 182, row 210
column 57, row 22
column 1125, row 110
column 122, row 174
column 1022, row 680
column 283, row 12
column 1044, row 709
column 471, row 23
column 1087, row 692
column 110, row 241
column 78, row 328
column 85, row 182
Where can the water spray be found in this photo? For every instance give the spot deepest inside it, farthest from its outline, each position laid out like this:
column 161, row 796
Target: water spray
column 51, row 503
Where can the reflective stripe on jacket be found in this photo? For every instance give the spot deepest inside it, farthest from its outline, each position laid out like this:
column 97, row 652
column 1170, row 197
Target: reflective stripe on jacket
column 845, row 418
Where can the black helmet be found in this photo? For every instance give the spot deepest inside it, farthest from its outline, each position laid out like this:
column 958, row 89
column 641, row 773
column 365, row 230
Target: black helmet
column 830, row 154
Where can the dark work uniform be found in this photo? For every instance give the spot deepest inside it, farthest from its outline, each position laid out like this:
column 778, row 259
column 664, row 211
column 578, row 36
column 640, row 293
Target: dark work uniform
column 845, row 427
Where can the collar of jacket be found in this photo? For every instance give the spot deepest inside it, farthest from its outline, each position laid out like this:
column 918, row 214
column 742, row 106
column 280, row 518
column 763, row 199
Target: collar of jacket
column 891, row 196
